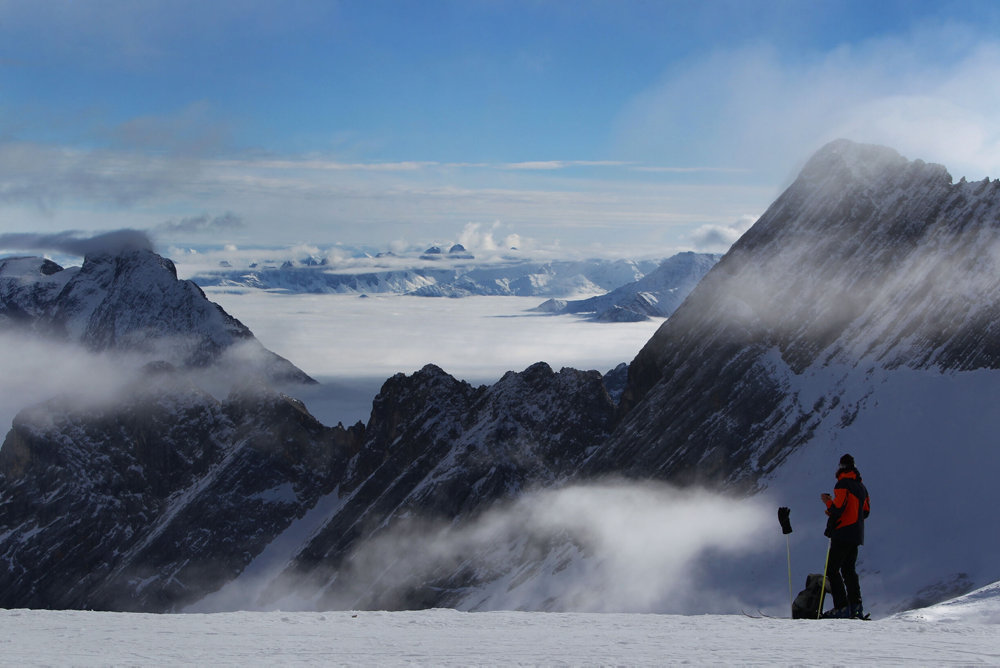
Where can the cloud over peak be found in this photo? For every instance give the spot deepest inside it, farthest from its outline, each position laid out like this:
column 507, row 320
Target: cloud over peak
column 71, row 243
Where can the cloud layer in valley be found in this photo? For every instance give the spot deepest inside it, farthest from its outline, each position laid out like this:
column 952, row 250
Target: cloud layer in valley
column 610, row 546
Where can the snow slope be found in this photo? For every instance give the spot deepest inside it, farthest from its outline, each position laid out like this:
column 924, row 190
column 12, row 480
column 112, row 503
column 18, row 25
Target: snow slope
column 961, row 632
column 925, row 444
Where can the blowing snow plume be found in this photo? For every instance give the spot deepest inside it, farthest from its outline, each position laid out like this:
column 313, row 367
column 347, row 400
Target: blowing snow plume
column 70, row 242
column 598, row 547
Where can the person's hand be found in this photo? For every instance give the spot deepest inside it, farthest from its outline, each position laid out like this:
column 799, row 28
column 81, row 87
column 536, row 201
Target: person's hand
column 826, row 497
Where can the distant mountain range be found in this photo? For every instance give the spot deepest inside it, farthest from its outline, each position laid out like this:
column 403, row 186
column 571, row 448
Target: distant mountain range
column 632, row 290
column 657, row 294
column 861, row 313
column 456, row 274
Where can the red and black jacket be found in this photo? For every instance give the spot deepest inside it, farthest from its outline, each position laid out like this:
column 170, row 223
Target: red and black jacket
column 848, row 509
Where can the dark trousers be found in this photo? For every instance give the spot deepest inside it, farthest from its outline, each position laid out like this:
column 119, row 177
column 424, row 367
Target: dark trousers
column 842, row 574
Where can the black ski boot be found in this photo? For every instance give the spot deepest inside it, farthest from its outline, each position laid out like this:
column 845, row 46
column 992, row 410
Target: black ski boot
column 838, row 613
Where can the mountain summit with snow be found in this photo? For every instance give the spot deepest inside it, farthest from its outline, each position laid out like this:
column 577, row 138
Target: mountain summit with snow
column 130, row 301
column 436, row 273
column 860, row 314
column 657, row 294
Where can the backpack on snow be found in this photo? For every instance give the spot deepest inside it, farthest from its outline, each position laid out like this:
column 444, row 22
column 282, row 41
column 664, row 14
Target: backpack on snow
column 807, row 604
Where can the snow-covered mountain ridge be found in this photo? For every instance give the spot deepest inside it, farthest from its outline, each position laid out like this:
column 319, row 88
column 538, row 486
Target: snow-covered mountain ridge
column 449, row 277
column 657, row 294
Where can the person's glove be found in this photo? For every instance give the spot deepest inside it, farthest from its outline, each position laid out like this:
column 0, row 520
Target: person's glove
column 786, row 525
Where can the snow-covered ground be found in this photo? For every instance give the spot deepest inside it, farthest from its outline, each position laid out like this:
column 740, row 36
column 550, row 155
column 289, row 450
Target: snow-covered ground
column 962, row 632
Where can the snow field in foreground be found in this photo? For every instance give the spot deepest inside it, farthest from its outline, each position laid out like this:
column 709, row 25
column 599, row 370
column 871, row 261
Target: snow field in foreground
column 451, row 638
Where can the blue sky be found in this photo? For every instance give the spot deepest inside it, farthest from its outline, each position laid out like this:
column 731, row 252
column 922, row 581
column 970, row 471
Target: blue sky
column 619, row 127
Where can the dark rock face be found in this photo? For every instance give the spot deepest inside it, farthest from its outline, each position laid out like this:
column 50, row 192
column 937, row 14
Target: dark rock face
column 438, row 447
column 151, row 503
column 167, row 496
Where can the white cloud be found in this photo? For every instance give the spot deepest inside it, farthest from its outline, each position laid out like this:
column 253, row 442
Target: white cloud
column 473, row 237
column 201, row 224
column 473, row 338
column 480, row 238
column 930, row 94
column 718, row 238
column 514, row 241
column 548, row 165
column 598, row 547
column 73, row 243
column 36, row 369
column 50, row 176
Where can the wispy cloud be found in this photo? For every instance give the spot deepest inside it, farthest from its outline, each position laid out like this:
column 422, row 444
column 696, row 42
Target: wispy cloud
column 690, row 170
column 203, row 224
column 415, row 165
column 927, row 93
column 718, row 238
column 607, row 546
column 325, row 201
column 77, row 243
column 323, row 165
column 48, row 176
column 560, row 164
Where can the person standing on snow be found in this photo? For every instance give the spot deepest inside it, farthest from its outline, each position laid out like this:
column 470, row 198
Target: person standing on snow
column 847, row 508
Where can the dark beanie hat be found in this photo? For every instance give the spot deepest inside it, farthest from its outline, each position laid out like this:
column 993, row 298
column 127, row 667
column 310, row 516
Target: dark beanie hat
column 847, row 462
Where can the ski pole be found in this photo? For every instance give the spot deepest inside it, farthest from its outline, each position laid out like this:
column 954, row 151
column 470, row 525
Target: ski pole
column 786, row 528
column 822, row 587
column 788, row 550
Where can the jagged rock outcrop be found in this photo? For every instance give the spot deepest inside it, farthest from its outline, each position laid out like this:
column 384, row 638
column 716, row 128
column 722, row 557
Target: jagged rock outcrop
column 438, row 447
column 156, row 500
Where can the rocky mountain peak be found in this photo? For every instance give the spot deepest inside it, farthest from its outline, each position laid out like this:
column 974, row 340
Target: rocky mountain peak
column 130, row 300
column 843, row 159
